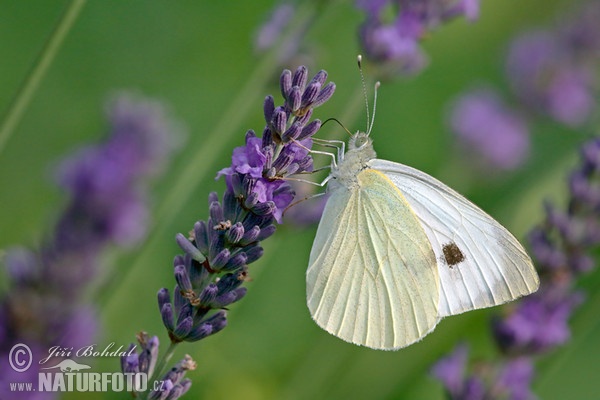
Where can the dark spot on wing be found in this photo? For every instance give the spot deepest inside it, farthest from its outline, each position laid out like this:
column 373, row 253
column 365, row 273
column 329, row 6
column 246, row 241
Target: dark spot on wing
column 452, row 254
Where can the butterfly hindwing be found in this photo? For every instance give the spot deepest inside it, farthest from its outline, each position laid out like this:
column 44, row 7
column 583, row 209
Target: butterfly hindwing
column 372, row 278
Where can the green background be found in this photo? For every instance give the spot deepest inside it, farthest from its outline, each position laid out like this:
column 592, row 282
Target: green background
column 198, row 57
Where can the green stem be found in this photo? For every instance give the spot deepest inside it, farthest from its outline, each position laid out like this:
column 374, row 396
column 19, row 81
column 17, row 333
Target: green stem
column 160, row 366
column 29, row 86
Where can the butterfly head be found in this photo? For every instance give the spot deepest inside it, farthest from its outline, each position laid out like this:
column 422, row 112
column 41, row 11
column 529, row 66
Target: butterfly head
column 360, row 152
column 360, row 140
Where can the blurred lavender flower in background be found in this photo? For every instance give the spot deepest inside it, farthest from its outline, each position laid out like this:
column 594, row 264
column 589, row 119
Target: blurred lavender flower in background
column 272, row 28
column 393, row 29
column 544, row 74
column 511, row 380
column 281, row 31
column 308, row 208
column 108, row 205
column 488, row 129
column 562, row 246
column 552, row 72
column 555, row 71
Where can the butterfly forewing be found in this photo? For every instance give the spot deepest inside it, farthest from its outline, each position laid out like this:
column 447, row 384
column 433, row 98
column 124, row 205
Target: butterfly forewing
column 372, row 278
column 480, row 263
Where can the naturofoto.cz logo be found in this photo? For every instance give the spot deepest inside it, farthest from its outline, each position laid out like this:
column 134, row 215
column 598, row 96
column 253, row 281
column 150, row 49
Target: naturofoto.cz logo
column 68, row 375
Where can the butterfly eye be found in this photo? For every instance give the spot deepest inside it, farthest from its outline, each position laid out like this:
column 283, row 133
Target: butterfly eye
column 361, row 140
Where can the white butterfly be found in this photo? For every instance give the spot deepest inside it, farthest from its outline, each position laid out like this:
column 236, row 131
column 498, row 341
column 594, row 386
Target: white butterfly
column 396, row 250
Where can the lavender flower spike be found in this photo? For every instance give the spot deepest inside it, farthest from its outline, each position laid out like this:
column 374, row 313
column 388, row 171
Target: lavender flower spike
column 562, row 246
column 107, row 186
column 172, row 385
column 214, row 266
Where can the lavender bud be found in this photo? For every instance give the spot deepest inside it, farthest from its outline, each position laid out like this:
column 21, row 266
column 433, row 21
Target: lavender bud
column 184, row 328
column 266, row 232
column 198, row 274
column 268, row 151
column 209, row 294
column 179, row 259
column 211, row 326
column 250, row 134
column 303, row 119
column 251, row 200
column 269, row 108
column 248, row 184
column 216, row 212
column 220, row 259
column 144, row 360
column 237, row 185
column 266, row 208
column 229, row 282
column 285, row 83
column 283, row 161
column 300, row 77
column 292, row 132
column 130, row 364
column 163, row 297
column 235, row 262
column 252, row 219
column 291, row 169
column 124, row 360
column 294, row 98
column 212, row 197
column 279, row 121
column 189, row 248
column 254, row 254
column 180, row 389
column 271, row 173
column 152, row 346
column 306, row 164
column 250, row 236
column 182, row 278
column 230, row 205
column 201, row 236
column 218, row 321
column 310, row 94
column 320, row 77
column 230, row 297
column 267, row 137
column 283, row 190
column 324, row 95
column 235, row 233
column 178, row 300
column 309, row 129
column 217, row 244
column 166, row 313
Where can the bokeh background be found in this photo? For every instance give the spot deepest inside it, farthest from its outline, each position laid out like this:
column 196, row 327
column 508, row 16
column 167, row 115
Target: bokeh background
column 199, row 58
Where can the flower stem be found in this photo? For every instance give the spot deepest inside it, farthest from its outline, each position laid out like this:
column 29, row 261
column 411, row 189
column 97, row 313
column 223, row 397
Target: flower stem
column 158, row 370
column 32, row 81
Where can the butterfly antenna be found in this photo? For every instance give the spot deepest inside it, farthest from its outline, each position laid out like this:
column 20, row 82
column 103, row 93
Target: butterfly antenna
column 364, row 87
column 377, row 84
